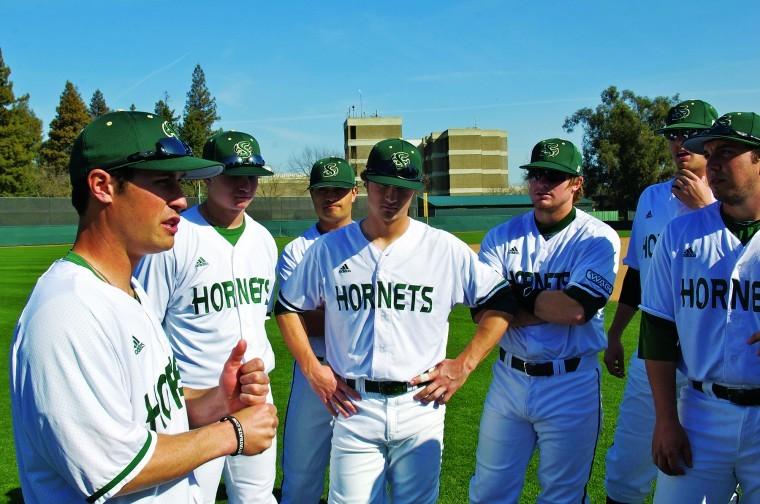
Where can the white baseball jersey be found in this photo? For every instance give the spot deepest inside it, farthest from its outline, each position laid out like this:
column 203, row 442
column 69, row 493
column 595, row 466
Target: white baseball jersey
column 209, row 294
column 703, row 279
column 291, row 255
column 657, row 206
column 93, row 380
column 386, row 311
column 584, row 254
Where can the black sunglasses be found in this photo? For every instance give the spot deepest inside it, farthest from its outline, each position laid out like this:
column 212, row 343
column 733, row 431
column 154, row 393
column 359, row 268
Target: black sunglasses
column 389, row 169
column 679, row 134
column 725, row 130
column 233, row 161
column 551, row 176
column 168, row 147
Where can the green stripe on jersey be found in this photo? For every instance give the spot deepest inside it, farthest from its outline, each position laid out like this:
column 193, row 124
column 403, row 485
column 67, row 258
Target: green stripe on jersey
column 80, row 261
column 123, row 474
column 744, row 231
column 547, row 231
column 231, row 235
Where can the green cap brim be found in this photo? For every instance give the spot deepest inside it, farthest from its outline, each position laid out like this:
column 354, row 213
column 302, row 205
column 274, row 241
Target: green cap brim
column 680, row 126
column 247, row 171
column 696, row 144
column 547, row 165
column 194, row 168
column 345, row 185
column 397, row 182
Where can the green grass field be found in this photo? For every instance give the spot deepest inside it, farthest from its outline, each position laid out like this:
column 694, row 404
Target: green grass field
column 20, row 267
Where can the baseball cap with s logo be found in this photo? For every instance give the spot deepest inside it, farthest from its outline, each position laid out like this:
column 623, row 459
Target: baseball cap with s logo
column 332, row 172
column 395, row 162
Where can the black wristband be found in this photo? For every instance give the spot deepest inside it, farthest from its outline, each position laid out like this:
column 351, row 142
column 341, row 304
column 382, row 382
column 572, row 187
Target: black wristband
column 239, row 434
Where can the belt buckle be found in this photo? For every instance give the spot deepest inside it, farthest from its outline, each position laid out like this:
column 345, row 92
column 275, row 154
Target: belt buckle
column 530, row 368
column 390, row 389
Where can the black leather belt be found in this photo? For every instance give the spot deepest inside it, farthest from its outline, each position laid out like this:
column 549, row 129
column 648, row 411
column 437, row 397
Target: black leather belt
column 538, row 368
column 388, row 388
column 738, row 396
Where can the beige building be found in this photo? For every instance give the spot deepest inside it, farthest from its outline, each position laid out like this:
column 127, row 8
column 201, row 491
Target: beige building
column 360, row 134
column 461, row 161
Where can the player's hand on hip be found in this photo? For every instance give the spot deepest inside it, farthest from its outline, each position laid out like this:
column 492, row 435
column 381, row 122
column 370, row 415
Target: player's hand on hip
column 243, row 384
column 342, row 401
column 334, row 393
column 614, row 358
column 671, row 447
column 755, row 338
column 442, row 382
column 691, row 190
column 260, row 427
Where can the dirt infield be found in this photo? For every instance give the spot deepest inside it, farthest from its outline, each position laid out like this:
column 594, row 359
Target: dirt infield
column 622, row 268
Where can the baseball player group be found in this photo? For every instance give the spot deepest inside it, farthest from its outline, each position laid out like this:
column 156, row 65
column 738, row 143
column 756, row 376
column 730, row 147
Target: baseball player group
column 140, row 364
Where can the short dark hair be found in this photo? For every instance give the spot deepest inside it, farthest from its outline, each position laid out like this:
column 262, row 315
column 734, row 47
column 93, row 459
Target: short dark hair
column 80, row 191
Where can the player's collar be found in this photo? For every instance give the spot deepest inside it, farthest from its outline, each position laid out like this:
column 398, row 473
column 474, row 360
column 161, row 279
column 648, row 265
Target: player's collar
column 547, row 231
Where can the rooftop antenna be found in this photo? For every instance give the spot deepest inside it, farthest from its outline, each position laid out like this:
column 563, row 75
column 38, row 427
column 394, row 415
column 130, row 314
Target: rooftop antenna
column 361, row 104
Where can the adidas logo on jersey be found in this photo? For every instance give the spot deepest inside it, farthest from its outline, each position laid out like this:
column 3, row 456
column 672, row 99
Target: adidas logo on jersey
column 201, row 262
column 649, row 215
column 344, row 269
column 513, row 250
column 688, row 252
column 138, row 345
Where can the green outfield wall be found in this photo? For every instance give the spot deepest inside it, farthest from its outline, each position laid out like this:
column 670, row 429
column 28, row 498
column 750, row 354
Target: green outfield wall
column 49, row 221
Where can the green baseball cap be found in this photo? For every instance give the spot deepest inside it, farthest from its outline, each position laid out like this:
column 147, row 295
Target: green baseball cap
column 689, row 114
column 332, row 172
column 139, row 140
column 556, row 154
column 742, row 127
column 239, row 152
column 395, row 162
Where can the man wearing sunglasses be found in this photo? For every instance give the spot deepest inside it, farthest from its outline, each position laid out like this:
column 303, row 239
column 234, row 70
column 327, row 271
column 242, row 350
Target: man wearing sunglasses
column 213, row 289
column 545, row 391
column 700, row 306
column 99, row 408
column 388, row 284
column 629, row 468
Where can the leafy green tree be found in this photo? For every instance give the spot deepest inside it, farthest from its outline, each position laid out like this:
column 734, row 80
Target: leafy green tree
column 71, row 116
column 163, row 110
column 132, row 107
column 98, row 105
column 621, row 153
column 20, row 138
column 200, row 113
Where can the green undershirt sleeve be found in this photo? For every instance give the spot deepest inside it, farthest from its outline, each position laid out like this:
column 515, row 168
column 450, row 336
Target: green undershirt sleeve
column 630, row 293
column 591, row 304
column 658, row 339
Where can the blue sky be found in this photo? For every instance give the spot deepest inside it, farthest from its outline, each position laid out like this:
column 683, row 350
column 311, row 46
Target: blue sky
column 287, row 72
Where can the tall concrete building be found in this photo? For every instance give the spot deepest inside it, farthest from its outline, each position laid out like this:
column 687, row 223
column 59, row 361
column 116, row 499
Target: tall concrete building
column 463, row 161
column 360, row 134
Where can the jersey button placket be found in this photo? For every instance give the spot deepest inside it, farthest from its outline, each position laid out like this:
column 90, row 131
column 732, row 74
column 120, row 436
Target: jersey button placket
column 380, row 359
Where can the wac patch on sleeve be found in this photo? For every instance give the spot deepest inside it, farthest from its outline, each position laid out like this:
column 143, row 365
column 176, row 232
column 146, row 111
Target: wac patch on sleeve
column 599, row 281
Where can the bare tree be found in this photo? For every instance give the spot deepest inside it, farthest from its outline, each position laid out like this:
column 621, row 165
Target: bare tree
column 270, row 187
column 303, row 161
